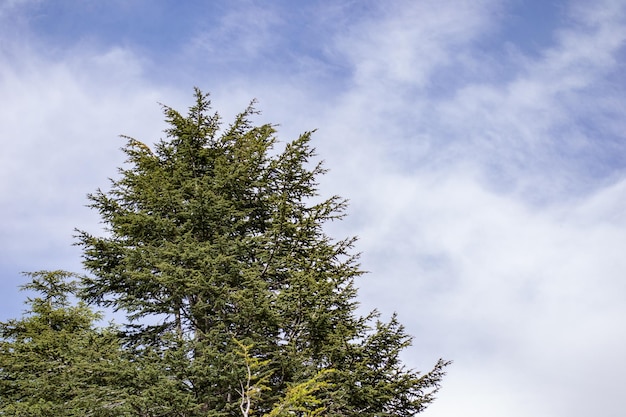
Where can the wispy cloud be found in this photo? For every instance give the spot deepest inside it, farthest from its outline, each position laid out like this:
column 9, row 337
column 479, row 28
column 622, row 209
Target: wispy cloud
column 59, row 131
column 245, row 33
column 406, row 42
column 534, row 132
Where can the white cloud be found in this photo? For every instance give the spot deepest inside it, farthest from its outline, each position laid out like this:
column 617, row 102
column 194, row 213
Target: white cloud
column 245, row 31
column 532, row 132
column 408, row 41
column 60, row 141
column 521, row 299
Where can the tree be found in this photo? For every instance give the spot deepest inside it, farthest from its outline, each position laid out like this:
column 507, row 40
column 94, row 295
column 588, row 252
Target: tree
column 53, row 361
column 238, row 302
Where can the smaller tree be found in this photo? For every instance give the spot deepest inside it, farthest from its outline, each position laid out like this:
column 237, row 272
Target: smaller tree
column 53, row 361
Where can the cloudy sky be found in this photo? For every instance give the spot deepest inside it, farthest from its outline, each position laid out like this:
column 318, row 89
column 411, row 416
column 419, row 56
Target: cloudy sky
column 481, row 143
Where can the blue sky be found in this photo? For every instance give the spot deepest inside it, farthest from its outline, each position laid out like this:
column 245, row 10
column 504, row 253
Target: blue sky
column 481, row 145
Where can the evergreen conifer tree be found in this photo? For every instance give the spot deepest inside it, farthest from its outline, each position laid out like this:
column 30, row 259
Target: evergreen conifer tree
column 54, row 361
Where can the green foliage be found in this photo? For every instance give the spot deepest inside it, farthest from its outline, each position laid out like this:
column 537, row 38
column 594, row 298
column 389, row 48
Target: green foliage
column 238, row 303
column 53, row 362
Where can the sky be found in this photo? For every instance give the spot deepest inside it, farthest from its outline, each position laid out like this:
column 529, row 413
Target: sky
column 481, row 144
